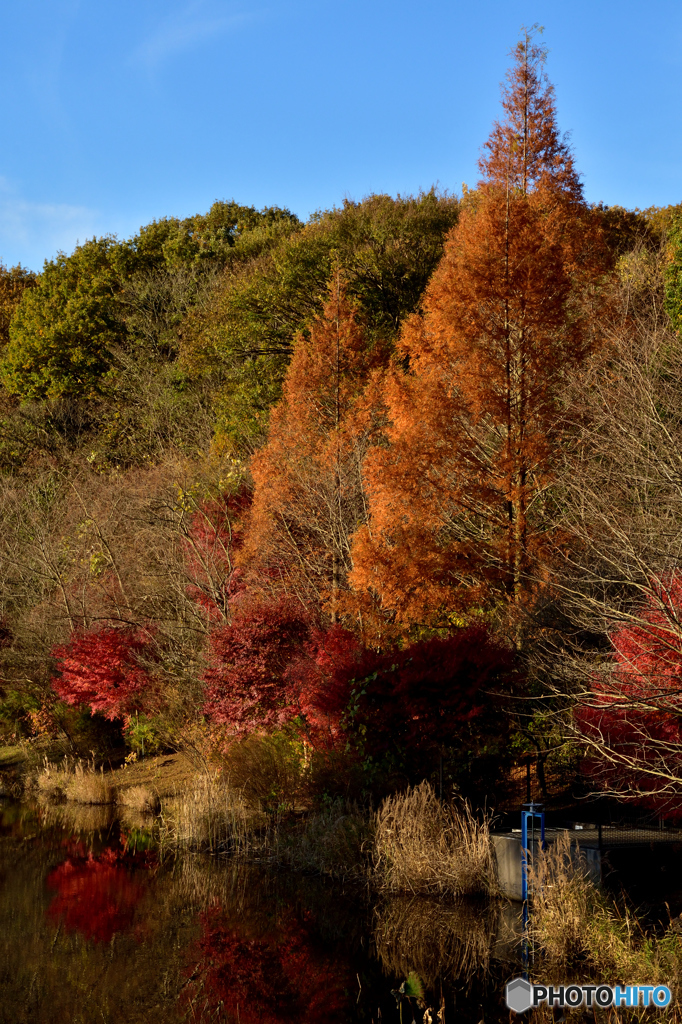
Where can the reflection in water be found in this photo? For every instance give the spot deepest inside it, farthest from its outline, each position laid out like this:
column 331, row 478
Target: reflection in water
column 93, row 929
column 264, row 977
column 74, row 817
column 435, row 939
column 96, row 896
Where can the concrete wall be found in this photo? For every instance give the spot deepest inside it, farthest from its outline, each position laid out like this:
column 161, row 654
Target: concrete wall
column 508, row 855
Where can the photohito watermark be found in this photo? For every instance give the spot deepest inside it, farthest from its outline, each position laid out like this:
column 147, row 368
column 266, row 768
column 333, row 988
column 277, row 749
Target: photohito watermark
column 522, row 995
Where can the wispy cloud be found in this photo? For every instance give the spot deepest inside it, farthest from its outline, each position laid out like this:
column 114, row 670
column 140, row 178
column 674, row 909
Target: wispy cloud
column 184, row 29
column 31, row 232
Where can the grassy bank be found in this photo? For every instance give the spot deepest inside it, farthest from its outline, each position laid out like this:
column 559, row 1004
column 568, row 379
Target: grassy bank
column 412, row 844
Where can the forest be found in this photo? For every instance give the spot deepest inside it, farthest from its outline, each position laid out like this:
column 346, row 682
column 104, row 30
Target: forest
column 391, row 495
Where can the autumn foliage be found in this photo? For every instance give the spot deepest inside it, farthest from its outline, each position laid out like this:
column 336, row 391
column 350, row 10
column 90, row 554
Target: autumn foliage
column 211, row 543
column 107, row 669
column 635, row 714
column 247, row 685
column 274, row 663
column 383, row 523
column 455, row 515
column 525, row 151
column 456, row 695
column 308, row 494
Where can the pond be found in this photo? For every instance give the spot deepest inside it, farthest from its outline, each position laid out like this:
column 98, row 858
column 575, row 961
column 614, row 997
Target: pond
column 94, row 928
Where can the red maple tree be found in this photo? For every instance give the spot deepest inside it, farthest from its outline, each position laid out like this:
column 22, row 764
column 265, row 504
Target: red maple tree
column 273, row 664
column 633, row 720
column 320, row 682
column 247, row 688
column 107, row 669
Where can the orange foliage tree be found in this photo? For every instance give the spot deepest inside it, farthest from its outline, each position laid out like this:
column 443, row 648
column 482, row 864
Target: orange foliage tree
column 456, row 498
column 308, row 498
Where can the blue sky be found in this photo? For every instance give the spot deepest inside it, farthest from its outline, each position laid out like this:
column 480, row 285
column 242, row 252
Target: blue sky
column 117, row 113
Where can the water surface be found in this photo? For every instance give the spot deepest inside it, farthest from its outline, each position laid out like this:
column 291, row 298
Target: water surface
column 94, row 928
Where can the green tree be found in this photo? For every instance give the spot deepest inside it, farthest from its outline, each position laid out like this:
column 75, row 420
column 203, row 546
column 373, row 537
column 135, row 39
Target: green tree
column 62, row 334
column 13, row 283
column 67, row 335
column 386, row 249
column 673, row 274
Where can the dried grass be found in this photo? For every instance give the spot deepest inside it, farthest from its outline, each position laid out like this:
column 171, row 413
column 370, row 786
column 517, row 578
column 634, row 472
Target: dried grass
column 51, row 780
column 79, row 782
column 140, row 798
column 86, row 785
column 210, row 816
column 425, row 847
column 575, row 924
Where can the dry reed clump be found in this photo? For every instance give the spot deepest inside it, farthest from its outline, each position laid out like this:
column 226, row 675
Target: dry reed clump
column 573, row 923
column 211, row 816
column 423, row 846
column 86, row 785
column 140, row 798
column 435, row 939
column 51, row 780
column 80, row 782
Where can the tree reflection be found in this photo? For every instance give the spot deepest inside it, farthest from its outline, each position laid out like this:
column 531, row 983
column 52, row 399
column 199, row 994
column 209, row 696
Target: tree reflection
column 268, row 976
column 96, row 896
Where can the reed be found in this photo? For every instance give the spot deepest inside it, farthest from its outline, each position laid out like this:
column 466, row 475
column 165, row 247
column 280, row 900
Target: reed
column 51, row 781
column 87, row 785
column 80, row 782
column 573, row 923
column 424, row 847
column 210, row 816
column 140, row 798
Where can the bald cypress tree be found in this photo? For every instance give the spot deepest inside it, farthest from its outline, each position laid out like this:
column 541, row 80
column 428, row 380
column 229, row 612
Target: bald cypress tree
column 455, row 499
column 308, row 496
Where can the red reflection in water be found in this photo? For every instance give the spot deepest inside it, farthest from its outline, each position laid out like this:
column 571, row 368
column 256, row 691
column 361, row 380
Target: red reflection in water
column 96, row 896
column 273, row 979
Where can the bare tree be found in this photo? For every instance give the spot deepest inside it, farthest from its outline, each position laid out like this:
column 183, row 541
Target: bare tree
column 607, row 629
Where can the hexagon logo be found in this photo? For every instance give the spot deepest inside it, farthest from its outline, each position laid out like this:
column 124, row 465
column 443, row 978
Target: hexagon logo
column 519, row 995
